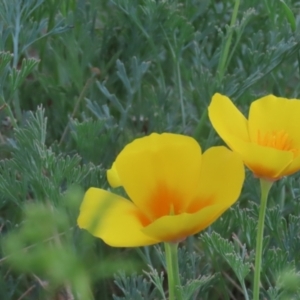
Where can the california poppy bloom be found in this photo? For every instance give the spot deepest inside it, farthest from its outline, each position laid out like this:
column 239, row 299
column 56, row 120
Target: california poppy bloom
column 269, row 141
column 175, row 191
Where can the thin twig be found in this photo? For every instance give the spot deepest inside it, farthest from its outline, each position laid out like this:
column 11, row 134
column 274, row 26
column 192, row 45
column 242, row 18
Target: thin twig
column 27, row 292
column 233, row 282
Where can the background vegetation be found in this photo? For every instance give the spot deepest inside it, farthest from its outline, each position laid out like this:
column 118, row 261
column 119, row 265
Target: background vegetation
column 81, row 78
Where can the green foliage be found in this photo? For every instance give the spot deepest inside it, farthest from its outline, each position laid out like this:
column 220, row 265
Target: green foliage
column 27, row 174
column 135, row 287
column 194, row 282
column 47, row 252
column 18, row 76
column 227, row 251
column 79, row 80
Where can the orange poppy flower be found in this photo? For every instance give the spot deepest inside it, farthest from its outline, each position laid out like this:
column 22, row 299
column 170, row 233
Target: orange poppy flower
column 269, row 141
column 175, row 191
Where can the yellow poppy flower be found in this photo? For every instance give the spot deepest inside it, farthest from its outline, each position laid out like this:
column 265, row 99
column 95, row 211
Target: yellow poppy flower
column 175, row 191
column 269, row 141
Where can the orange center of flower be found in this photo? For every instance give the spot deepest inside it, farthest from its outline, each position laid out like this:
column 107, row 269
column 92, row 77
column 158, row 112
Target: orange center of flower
column 164, row 201
column 276, row 139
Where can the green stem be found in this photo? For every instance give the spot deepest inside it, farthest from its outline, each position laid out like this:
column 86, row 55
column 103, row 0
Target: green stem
column 203, row 120
column 225, row 52
column 223, row 62
column 178, row 76
column 16, row 41
column 180, row 92
column 16, row 35
column 171, row 250
column 245, row 290
column 265, row 187
column 267, row 6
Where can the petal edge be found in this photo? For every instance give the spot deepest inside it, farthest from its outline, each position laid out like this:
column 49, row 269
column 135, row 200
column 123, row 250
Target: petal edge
column 115, row 220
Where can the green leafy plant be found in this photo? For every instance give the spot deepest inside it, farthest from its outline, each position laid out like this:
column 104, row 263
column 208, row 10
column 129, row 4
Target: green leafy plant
column 81, row 79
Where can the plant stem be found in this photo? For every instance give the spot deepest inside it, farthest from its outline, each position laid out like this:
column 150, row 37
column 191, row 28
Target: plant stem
column 225, row 51
column 265, row 187
column 16, row 35
column 178, row 77
column 245, row 291
column 179, row 82
column 171, row 250
column 223, row 62
column 15, row 39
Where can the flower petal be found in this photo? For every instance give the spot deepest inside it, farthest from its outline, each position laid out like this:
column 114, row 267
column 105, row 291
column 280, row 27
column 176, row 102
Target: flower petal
column 273, row 114
column 176, row 228
column 221, row 179
column 115, row 220
column 264, row 162
column 113, row 177
column 292, row 168
column 227, row 120
column 160, row 172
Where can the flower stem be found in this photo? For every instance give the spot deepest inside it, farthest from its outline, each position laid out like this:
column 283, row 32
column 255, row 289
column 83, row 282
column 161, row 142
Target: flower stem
column 225, row 51
column 171, row 250
column 265, row 187
column 179, row 82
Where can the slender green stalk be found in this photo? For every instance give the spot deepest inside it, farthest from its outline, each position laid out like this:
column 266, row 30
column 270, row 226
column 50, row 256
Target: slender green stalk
column 203, row 120
column 265, row 187
column 178, row 76
column 16, row 35
column 171, row 250
column 225, row 52
column 222, row 63
column 245, row 290
column 179, row 82
column 266, row 2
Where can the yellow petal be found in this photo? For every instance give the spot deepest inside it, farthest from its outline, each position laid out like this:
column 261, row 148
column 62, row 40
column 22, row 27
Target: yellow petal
column 160, row 172
column 263, row 161
column 227, row 120
column 292, row 168
column 272, row 115
column 113, row 177
column 221, row 179
column 114, row 219
column 176, row 228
